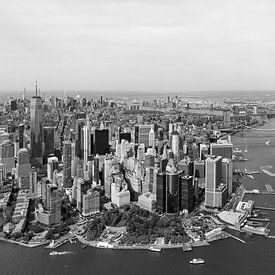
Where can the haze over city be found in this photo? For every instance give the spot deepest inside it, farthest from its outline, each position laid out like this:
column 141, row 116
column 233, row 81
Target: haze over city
column 137, row 45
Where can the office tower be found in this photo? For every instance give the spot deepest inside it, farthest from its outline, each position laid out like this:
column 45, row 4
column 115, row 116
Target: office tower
column 13, row 105
column 3, row 174
column 215, row 190
column 36, row 130
column 108, row 161
column 52, row 165
column 199, row 169
column 152, row 138
column 48, row 137
column 79, row 140
column 172, row 191
column 163, row 164
column 120, row 194
column 149, row 160
column 224, row 149
column 67, row 164
column 226, row 118
column 227, row 174
column 175, row 144
column 82, row 187
column 79, row 171
column 101, row 142
column 53, row 204
column 21, row 129
column 7, row 155
column 203, row 151
column 33, row 183
column 186, row 193
column 91, row 202
column 142, row 134
column 86, row 142
column 141, row 152
column 125, row 136
column 186, row 167
column 23, row 167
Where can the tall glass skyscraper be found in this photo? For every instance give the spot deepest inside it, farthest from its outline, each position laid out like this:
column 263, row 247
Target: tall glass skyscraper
column 36, row 130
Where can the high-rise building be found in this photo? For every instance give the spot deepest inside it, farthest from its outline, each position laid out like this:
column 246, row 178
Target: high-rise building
column 79, row 140
column 224, row 149
column 21, row 129
column 82, row 187
column 142, row 134
column 175, row 144
column 23, row 168
column 125, row 136
column 152, row 138
column 226, row 118
column 91, row 202
column 67, row 163
column 13, row 105
column 52, row 165
column 36, row 130
column 186, row 193
column 172, row 191
column 48, row 137
column 203, row 151
column 186, row 167
column 227, row 174
column 7, row 155
column 215, row 190
column 101, row 142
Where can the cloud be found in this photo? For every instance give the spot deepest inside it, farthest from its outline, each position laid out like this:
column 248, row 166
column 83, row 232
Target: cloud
column 138, row 45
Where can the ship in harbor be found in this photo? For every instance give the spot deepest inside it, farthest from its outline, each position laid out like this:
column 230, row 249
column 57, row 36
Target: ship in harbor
column 154, row 248
column 197, row 261
column 56, row 253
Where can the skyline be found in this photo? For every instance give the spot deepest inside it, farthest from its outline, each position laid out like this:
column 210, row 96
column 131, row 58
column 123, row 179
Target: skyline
column 154, row 46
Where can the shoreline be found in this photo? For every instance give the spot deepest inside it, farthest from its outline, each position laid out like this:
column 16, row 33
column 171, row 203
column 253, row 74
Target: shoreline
column 28, row 245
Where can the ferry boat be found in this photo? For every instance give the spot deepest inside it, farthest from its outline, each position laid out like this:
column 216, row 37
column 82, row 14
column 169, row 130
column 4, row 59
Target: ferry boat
column 197, row 261
column 55, row 253
column 154, row 249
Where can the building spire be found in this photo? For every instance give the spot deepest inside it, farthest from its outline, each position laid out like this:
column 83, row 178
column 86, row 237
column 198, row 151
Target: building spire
column 36, row 88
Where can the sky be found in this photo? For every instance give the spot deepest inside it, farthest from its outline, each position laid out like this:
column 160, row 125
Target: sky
column 137, row 45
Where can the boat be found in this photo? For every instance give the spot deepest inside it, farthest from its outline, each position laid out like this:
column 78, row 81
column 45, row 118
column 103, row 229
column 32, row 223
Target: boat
column 154, row 248
column 84, row 246
column 267, row 142
column 197, row 261
column 54, row 253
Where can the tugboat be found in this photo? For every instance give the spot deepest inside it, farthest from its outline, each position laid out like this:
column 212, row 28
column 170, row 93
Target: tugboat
column 54, row 253
column 154, row 249
column 197, row 261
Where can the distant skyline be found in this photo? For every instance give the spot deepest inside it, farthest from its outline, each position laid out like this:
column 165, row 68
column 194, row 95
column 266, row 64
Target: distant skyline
column 137, row 45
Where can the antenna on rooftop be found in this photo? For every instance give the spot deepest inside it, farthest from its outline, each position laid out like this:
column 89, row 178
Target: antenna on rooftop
column 36, row 88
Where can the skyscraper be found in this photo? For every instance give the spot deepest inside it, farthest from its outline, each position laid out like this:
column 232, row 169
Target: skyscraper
column 36, row 130
column 215, row 190
column 142, row 134
column 7, row 155
column 48, row 137
column 152, row 138
column 101, row 142
column 186, row 193
column 224, row 149
column 21, row 128
column 67, row 163
column 175, row 144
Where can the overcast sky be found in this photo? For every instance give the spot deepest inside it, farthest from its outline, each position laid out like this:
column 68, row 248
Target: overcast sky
column 142, row 45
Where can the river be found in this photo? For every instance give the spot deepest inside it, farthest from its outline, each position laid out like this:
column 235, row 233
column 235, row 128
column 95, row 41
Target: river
column 226, row 256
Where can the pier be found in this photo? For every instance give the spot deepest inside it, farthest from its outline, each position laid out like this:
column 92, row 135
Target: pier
column 236, row 238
